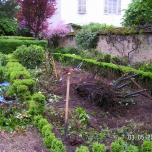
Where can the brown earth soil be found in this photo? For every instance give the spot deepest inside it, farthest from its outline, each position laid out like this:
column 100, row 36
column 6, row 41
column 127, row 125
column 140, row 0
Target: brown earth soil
column 29, row 141
column 140, row 113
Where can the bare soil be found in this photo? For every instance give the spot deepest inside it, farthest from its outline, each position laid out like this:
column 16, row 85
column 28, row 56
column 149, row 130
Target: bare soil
column 29, row 141
column 113, row 117
column 141, row 112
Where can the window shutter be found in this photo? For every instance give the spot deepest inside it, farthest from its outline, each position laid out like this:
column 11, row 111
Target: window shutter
column 81, row 6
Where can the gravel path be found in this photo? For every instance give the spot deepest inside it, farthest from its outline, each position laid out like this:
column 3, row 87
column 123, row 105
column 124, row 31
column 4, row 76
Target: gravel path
column 30, row 141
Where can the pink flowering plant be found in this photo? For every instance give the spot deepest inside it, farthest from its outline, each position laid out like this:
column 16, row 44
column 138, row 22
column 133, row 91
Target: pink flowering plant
column 55, row 33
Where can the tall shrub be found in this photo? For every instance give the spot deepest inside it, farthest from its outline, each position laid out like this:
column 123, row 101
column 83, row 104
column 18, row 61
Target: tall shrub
column 31, row 56
column 87, row 37
column 138, row 13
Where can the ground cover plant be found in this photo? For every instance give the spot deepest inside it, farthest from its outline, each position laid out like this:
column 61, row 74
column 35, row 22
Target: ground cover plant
column 39, row 100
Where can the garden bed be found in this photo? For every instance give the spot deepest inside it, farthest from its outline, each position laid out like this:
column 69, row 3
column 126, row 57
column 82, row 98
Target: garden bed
column 112, row 123
column 23, row 141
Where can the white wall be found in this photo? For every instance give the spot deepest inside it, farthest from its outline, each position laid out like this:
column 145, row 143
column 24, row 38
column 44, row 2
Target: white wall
column 68, row 12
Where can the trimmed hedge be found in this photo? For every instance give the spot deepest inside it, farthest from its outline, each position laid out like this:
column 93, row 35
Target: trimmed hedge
column 98, row 147
column 9, row 45
column 82, row 149
column 31, row 56
column 51, row 142
column 17, row 37
column 105, row 69
column 22, row 85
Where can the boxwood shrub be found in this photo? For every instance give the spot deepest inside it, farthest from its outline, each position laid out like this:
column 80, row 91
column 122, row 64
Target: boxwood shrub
column 147, row 146
column 98, row 147
column 105, row 69
column 31, row 56
column 82, row 149
column 10, row 45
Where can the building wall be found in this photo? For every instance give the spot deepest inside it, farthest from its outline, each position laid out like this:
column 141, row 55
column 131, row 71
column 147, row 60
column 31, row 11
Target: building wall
column 121, row 46
column 68, row 10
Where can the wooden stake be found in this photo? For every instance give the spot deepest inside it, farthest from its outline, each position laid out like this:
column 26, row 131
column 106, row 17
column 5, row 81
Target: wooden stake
column 67, row 104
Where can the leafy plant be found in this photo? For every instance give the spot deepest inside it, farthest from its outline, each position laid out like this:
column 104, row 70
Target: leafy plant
column 132, row 148
column 42, row 122
column 117, row 146
column 31, row 56
column 82, row 149
column 49, row 139
column 46, row 130
column 98, row 147
column 87, row 37
column 13, row 117
column 3, row 59
column 57, row 146
column 8, row 26
column 81, row 115
column 138, row 13
column 147, row 146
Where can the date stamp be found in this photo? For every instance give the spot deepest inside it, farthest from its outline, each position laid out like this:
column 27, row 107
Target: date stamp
column 139, row 137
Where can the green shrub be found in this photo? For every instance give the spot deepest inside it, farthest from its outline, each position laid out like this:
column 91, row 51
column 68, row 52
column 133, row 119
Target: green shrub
column 69, row 50
column 17, row 37
column 21, row 91
column 37, row 106
column 8, row 26
column 26, row 82
column 147, row 146
column 10, row 45
column 19, row 75
column 3, row 59
column 46, row 130
column 146, row 67
column 117, row 146
column 132, row 148
column 49, row 139
column 107, row 58
column 33, row 108
column 1, row 74
column 82, row 149
column 138, row 13
column 81, row 115
column 31, row 56
column 103, row 68
column 57, row 146
column 87, row 37
column 98, row 147
column 15, row 70
column 36, row 119
column 42, row 122
column 39, row 98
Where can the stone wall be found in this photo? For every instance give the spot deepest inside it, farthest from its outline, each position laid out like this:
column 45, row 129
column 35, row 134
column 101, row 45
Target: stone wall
column 137, row 47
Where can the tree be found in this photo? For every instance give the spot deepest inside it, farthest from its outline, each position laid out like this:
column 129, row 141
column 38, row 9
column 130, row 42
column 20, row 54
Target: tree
column 8, row 8
column 8, row 24
column 34, row 14
column 139, row 13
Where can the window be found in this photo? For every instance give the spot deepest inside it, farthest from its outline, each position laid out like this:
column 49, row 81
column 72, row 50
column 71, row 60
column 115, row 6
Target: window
column 112, row 7
column 81, row 6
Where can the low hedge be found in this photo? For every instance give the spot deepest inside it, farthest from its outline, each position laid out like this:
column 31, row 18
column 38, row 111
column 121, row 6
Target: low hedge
column 51, row 142
column 17, row 37
column 9, row 45
column 22, row 85
column 105, row 69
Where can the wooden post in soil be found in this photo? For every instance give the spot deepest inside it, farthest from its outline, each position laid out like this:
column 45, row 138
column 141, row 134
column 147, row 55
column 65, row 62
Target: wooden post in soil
column 67, row 104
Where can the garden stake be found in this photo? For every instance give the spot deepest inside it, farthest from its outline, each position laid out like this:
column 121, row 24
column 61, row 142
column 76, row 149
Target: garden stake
column 67, row 104
column 54, row 67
